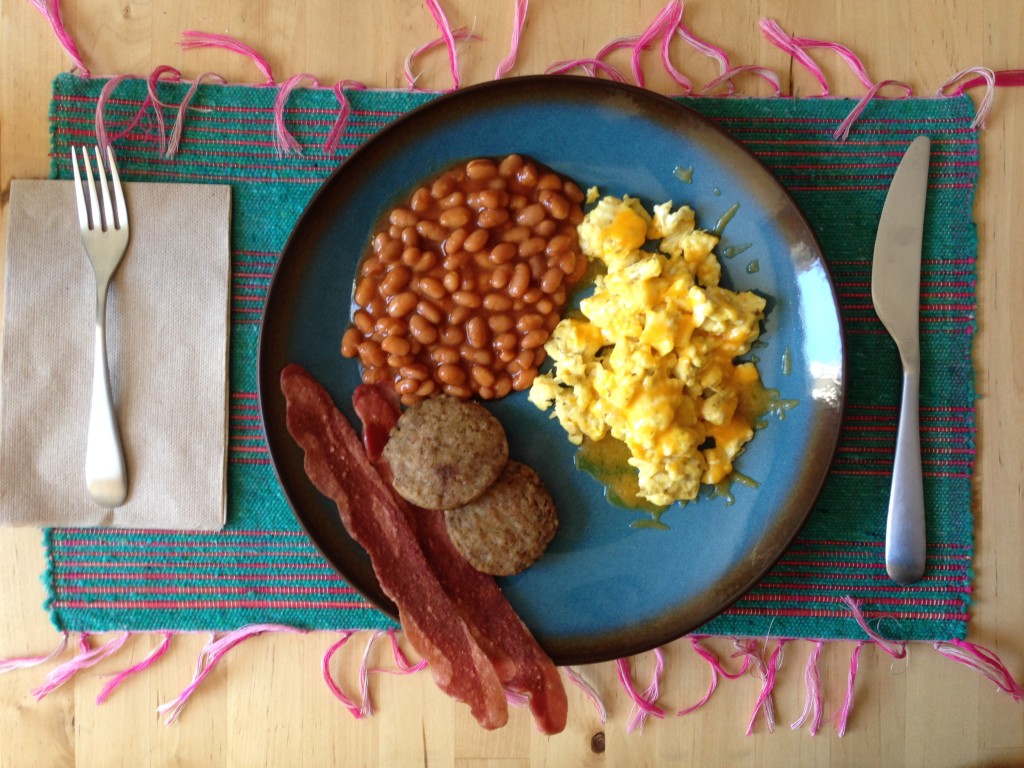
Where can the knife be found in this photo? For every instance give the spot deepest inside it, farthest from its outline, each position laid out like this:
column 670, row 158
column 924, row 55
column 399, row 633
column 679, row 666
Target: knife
column 896, row 292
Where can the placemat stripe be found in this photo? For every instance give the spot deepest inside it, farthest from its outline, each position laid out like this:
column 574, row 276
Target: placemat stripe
column 261, row 568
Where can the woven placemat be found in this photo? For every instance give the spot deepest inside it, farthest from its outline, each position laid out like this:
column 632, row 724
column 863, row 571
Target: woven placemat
column 262, row 569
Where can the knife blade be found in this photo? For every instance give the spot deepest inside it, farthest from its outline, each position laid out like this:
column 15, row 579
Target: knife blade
column 896, row 294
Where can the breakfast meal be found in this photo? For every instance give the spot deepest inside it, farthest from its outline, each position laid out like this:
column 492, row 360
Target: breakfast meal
column 462, row 285
column 456, row 617
column 652, row 360
column 507, row 529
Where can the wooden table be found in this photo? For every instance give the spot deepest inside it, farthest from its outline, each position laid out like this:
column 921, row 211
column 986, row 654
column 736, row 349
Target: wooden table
column 266, row 703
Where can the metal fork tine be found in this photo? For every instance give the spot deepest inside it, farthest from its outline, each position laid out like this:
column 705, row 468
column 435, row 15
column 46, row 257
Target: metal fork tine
column 83, row 213
column 115, row 178
column 94, row 203
column 108, row 210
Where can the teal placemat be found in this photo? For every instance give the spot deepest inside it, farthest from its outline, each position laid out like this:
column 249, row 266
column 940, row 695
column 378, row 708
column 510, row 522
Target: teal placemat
column 262, row 569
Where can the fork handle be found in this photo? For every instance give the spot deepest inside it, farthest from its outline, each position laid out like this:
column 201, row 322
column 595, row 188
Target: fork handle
column 905, row 539
column 105, row 476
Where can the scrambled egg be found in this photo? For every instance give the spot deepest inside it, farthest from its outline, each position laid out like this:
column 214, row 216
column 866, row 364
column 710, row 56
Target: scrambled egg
column 651, row 362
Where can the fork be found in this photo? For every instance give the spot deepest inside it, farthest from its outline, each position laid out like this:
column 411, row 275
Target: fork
column 105, row 238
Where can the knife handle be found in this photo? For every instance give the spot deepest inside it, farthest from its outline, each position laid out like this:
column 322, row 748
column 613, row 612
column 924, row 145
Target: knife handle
column 905, row 540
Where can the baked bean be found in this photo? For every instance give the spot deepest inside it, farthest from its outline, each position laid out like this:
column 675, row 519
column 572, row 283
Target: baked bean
column 501, row 276
column 503, row 253
column 429, row 311
column 531, row 215
column 533, row 295
column 476, row 241
column 576, row 216
column 477, row 333
column 410, row 237
column 482, row 376
column 466, row 299
column 455, row 241
column 421, row 200
column 442, row 187
column 432, row 230
column 510, row 165
column 403, row 217
column 417, row 372
column 453, row 218
column 469, row 275
column 474, row 355
column 532, row 246
column 497, row 302
column 364, row 322
column 573, row 192
column 371, row 354
column 507, row 341
column 489, row 218
column 520, row 281
column 451, row 374
column 406, row 386
column 395, row 281
column 546, row 228
column 557, row 206
column 391, row 252
column 453, row 335
column 431, row 287
column 422, row 331
column 481, row 169
column 551, row 281
column 350, row 342
column 454, row 200
column 442, row 355
column 550, row 181
column 402, row 304
column 365, row 291
column 518, row 234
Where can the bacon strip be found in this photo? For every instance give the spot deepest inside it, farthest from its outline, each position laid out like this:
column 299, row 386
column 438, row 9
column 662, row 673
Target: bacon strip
column 340, row 469
column 522, row 666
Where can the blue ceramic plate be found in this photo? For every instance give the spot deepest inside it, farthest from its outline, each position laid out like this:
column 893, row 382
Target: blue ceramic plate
column 604, row 589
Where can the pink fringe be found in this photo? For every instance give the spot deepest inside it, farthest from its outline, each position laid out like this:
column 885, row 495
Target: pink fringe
column 851, row 679
column 27, row 662
column 716, row 670
column 88, row 657
column 662, row 27
column 191, row 38
column 590, row 66
column 704, row 47
column 843, row 131
column 207, row 660
column 589, row 691
column 730, row 75
column 644, row 703
column 353, row 708
column 51, row 11
column 284, row 142
column 989, row 78
column 1003, row 78
column 120, row 677
column 983, row 660
column 174, row 142
column 518, row 22
column 895, row 648
column 764, row 700
column 791, row 45
column 151, row 98
column 103, row 140
column 459, row 35
column 449, row 39
column 812, row 683
column 338, row 130
column 404, row 666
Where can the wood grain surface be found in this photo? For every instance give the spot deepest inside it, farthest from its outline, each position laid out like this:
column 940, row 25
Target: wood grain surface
column 266, row 703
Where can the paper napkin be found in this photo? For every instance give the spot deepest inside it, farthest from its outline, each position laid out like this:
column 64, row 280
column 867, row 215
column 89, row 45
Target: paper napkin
column 167, row 342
